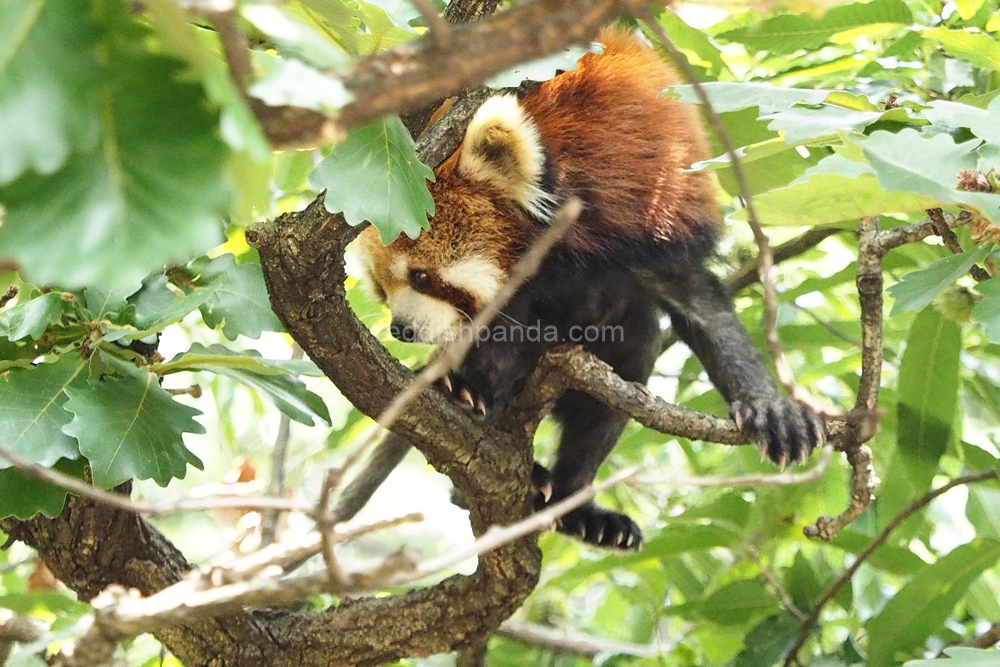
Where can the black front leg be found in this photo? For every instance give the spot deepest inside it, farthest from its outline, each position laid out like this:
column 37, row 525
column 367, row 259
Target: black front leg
column 702, row 315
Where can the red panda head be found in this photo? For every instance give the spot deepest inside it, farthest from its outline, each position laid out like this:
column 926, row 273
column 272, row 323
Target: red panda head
column 485, row 197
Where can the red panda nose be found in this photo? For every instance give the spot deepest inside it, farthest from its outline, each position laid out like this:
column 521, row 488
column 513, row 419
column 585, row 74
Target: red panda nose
column 402, row 331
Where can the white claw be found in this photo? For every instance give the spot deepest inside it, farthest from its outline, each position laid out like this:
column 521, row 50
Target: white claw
column 600, row 535
column 583, row 533
column 480, row 407
column 466, row 398
column 446, row 381
column 763, row 452
column 630, row 541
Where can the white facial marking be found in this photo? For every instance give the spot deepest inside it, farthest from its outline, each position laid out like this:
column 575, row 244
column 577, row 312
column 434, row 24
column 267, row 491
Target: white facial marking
column 433, row 319
column 477, row 275
column 398, row 267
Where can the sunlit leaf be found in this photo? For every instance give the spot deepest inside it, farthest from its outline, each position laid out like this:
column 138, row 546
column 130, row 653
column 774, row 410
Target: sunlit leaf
column 790, row 32
column 978, row 48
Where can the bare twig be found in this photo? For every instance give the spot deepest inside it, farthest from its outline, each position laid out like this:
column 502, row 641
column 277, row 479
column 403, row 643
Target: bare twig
column 892, row 238
column 276, row 486
column 438, row 28
column 776, row 479
column 235, row 47
column 193, row 391
column 748, row 273
column 988, row 638
column 941, row 228
column 569, row 642
column 775, row 586
column 863, row 555
column 80, row 488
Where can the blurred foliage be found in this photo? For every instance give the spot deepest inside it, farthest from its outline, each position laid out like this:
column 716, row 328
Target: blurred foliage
column 128, row 155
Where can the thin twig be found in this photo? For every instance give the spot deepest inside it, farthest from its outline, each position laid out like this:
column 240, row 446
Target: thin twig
column 776, row 479
column 235, row 47
column 121, row 502
column 438, row 28
column 569, row 642
column 775, row 586
column 863, row 555
column 988, row 638
column 941, row 228
column 279, row 454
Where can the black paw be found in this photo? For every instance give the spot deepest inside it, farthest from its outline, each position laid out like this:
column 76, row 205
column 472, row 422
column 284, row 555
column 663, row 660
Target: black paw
column 463, row 393
column 785, row 430
column 600, row 527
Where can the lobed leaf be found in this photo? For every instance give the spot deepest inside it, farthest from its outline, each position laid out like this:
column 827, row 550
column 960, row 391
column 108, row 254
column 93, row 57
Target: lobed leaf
column 374, row 175
column 149, row 192
column 237, row 299
column 48, row 65
column 130, row 427
column 31, row 410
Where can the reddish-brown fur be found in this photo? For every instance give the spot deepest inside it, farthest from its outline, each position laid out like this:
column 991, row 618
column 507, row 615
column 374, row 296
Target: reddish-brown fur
column 611, row 140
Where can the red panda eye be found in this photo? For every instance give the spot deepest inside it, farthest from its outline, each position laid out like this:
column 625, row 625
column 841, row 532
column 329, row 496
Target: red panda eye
column 420, row 279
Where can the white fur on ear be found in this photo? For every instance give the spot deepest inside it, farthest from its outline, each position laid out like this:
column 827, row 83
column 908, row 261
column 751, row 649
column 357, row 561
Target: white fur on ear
column 502, row 147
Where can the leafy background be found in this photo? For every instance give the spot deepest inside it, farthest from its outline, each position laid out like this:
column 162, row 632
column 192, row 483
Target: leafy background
column 136, row 165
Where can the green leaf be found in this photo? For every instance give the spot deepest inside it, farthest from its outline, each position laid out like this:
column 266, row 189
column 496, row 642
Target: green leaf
column 676, row 538
column 374, row 175
column 24, row 497
column 150, row 192
column 769, row 642
column 32, row 414
column 695, row 44
column 31, row 318
column 928, row 399
column 986, row 313
column 732, row 96
column 922, row 605
column 790, row 32
column 908, row 161
column 157, row 306
column 802, row 583
column 296, row 37
column 918, row 288
column 737, row 602
column 238, row 299
column 199, row 357
column 48, row 63
column 290, row 82
column 961, row 657
column 130, row 427
column 268, row 376
column 977, row 48
column 542, row 69
column 983, row 510
column 828, row 198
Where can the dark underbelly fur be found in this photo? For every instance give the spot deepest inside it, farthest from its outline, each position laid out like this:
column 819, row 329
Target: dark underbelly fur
column 614, row 312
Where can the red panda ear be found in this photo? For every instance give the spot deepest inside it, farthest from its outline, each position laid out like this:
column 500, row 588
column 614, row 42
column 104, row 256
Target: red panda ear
column 502, row 147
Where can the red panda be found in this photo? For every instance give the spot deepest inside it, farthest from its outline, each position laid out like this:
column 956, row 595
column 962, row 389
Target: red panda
column 603, row 134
